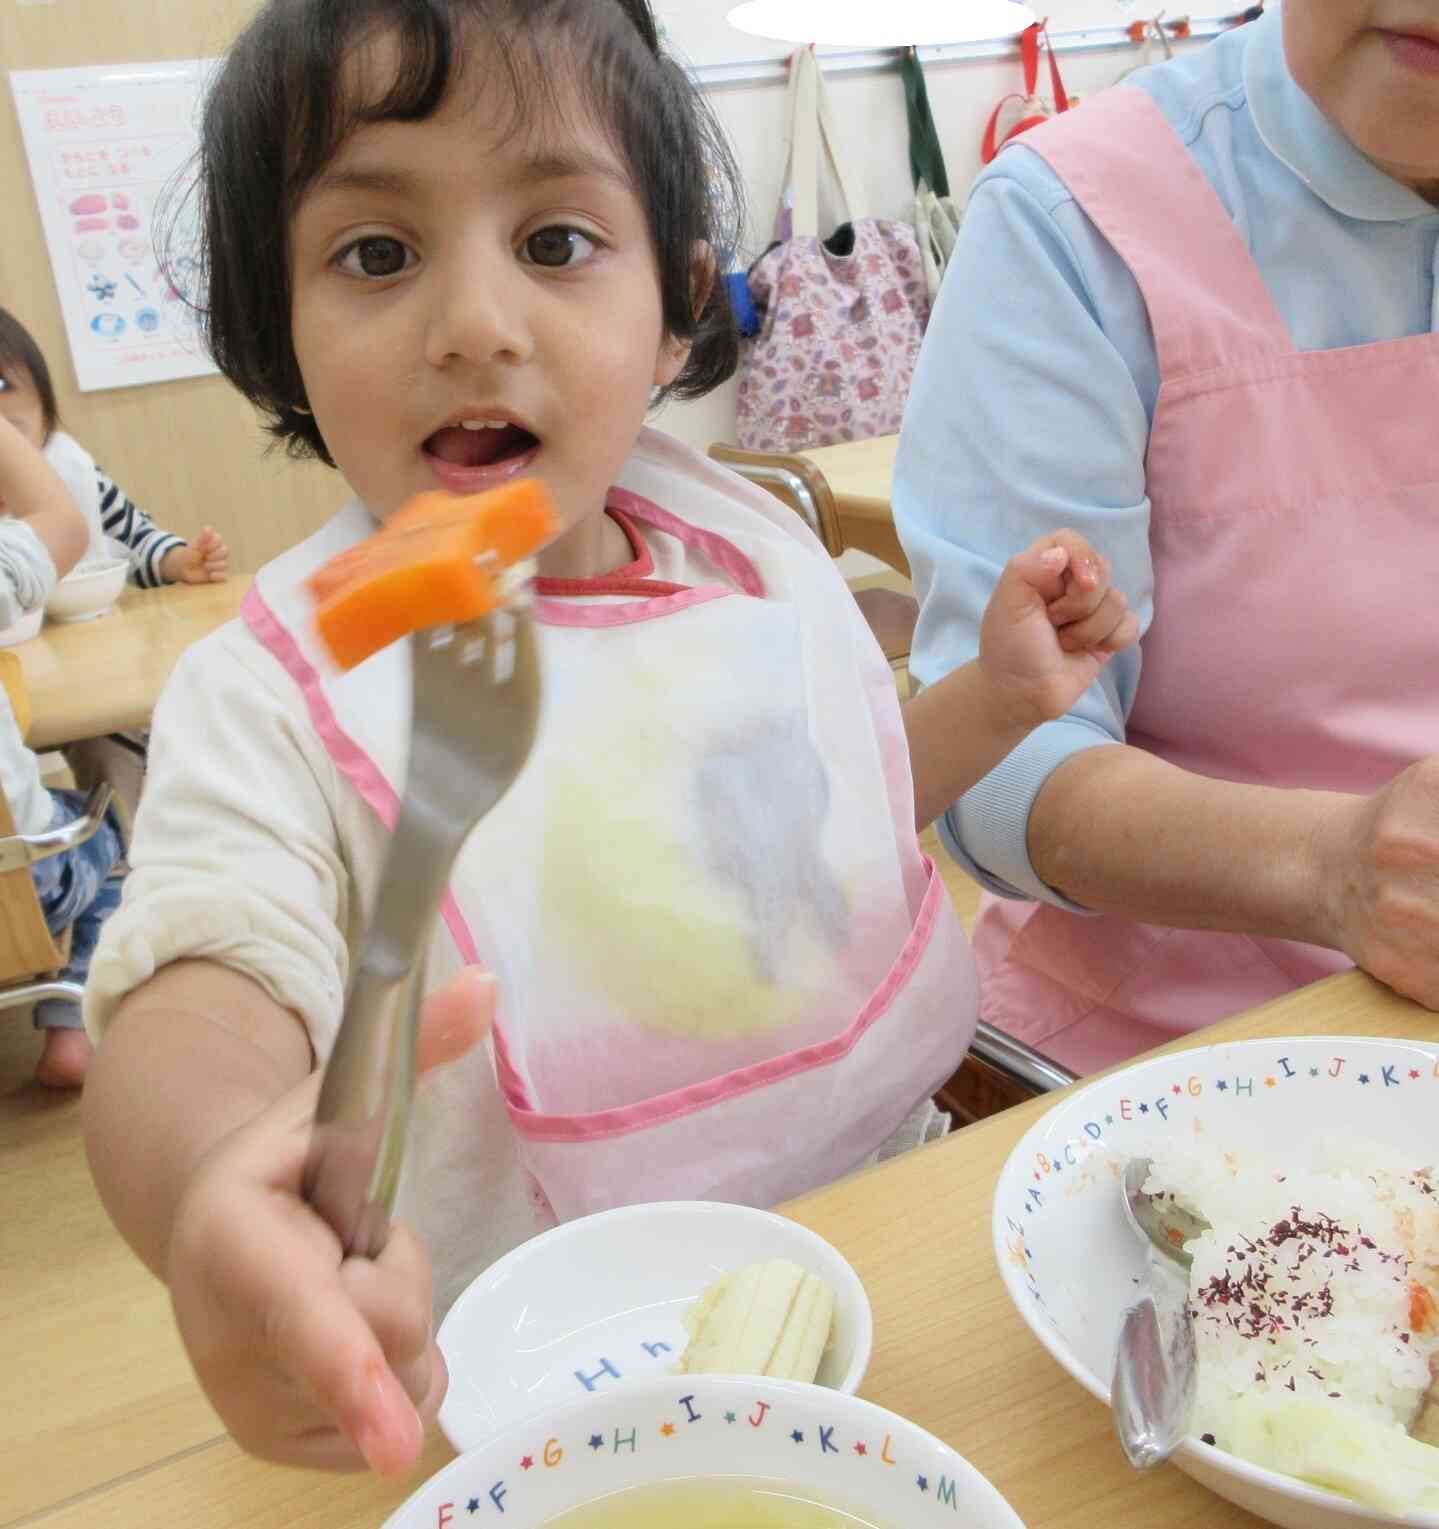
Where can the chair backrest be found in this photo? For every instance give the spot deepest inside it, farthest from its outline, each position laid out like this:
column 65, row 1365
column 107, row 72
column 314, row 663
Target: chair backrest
column 796, row 481
column 27, row 948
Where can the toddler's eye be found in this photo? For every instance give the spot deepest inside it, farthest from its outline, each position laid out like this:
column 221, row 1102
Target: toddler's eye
column 375, row 257
column 558, row 247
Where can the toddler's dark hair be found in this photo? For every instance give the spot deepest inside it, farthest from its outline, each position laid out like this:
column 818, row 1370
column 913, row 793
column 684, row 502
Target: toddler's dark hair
column 278, row 112
column 20, row 354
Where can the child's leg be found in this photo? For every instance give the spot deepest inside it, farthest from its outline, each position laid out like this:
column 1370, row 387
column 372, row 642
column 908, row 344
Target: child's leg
column 77, row 892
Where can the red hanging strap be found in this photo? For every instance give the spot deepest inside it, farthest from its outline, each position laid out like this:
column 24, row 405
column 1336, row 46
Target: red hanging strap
column 1029, row 45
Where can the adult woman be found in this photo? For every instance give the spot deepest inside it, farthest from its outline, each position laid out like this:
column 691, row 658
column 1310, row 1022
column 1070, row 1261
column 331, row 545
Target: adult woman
column 1195, row 319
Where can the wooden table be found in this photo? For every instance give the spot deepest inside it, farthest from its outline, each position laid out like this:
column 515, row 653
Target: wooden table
column 103, row 1425
column 89, row 678
column 861, row 476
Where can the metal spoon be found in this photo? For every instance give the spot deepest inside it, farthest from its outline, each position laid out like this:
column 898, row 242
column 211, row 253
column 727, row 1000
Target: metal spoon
column 1155, row 1362
column 1160, row 1220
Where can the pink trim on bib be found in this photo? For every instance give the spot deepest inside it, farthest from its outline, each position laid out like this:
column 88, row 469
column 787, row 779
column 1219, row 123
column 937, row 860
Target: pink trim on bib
column 562, row 613
column 352, row 761
column 684, row 1101
column 721, row 552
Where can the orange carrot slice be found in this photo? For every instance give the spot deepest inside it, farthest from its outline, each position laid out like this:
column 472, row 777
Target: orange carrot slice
column 432, row 563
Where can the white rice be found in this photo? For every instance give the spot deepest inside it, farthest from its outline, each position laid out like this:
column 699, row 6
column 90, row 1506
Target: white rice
column 1302, row 1286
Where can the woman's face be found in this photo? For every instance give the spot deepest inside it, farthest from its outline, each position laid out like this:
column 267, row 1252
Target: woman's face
column 1372, row 67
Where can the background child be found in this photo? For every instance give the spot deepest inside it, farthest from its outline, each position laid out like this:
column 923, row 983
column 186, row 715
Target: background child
column 27, row 399
column 42, row 535
column 724, row 967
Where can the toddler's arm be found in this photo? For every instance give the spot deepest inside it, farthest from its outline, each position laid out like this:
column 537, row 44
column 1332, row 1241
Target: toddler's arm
column 32, row 492
column 157, row 556
column 197, row 1118
column 1052, row 624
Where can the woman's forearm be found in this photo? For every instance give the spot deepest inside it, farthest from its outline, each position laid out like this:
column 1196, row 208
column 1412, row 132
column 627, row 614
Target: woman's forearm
column 191, row 1056
column 1118, row 830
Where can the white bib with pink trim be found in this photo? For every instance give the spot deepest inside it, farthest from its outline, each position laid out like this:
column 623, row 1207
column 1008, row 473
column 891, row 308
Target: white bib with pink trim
column 726, row 968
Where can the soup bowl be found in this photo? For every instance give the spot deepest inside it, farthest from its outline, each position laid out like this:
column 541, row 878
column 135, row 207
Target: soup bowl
column 817, row 1444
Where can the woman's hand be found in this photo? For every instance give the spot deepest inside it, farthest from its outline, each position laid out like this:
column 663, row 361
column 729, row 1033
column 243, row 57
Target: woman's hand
column 1053, row 622
column 309, row 1357
column 1376, row 866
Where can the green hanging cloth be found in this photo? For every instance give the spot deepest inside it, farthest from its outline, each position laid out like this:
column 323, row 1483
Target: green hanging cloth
column 926, row 158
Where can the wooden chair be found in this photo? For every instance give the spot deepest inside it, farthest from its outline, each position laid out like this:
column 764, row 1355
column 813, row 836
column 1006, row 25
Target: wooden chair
column 999, row 1070
column 797, row 482
column 30, row 957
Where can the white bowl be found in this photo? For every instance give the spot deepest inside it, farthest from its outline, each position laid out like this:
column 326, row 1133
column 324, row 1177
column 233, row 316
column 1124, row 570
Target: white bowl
column 24, row 629
column 1071, row 1263
column 88, row 590
column 847, row 1452
column 591, row 1306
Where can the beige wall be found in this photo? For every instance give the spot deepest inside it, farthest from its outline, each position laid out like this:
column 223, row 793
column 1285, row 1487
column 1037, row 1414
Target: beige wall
column 189, row 452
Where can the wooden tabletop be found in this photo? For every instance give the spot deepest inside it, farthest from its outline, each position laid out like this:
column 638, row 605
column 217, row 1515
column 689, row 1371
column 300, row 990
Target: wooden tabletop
column 89, row 678
column 861, row 476
column 103, row 1424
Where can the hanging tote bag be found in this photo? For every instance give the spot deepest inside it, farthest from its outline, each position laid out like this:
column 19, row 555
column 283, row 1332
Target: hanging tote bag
column 1033, row 108
column 936, row 216
column 842, row 317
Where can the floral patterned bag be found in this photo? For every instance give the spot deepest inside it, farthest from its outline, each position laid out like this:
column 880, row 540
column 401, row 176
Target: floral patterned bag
column 843, row 316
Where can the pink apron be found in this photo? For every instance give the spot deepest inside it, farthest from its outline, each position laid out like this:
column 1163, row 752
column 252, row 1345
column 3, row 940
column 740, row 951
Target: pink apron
column 726, row 970
column 1295, row 537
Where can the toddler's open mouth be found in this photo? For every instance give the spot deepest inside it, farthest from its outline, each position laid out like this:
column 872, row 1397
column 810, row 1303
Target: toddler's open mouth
column 477, row 455
column 465, row 446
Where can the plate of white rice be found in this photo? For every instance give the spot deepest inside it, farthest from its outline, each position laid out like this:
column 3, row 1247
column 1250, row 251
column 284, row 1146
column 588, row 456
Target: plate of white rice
column 1315, row 1292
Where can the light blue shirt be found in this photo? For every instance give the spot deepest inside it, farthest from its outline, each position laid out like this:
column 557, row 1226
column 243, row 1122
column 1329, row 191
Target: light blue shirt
column 1036, row 386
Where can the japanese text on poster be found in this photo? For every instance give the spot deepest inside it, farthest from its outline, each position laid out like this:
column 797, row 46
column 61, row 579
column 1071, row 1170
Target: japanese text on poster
column 105, row 145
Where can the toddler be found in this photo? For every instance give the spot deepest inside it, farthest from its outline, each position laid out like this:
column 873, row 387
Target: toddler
column 722, row 967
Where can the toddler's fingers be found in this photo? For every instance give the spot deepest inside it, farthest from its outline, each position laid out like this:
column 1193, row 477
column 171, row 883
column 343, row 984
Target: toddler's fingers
column 456, row 1018
column 319, row 1337
column 393, row 1294
column 1125, row 635
column 1087, row 569
column 1098, row 628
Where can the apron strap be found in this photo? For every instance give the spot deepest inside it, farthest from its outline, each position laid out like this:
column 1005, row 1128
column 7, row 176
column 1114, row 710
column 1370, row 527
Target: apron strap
column 1141, row 187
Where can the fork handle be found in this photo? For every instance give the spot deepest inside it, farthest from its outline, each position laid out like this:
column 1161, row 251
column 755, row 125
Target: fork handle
column 357, row 1147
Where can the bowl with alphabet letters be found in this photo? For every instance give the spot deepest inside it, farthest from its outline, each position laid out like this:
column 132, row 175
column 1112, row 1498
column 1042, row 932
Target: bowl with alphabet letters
column 696, row 1450
column 590, row 1307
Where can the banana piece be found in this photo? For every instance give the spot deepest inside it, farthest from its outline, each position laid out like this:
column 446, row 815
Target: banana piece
column 771, row 1318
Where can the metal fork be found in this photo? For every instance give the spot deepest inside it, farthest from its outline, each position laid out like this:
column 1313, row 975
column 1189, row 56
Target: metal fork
column 476, row 708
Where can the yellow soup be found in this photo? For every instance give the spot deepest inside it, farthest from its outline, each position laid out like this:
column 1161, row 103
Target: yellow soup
column 711, row 1502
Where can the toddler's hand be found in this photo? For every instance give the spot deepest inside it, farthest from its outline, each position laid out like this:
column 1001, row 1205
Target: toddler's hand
column 206, row 560
column 1051, row 625
column 311, row 1358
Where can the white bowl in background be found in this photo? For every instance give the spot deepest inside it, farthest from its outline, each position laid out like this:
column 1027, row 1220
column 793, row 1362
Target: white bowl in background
column 88, row 590
column 588, row 1307
column 24, row 629
column 1071, row 1263
column 847, row 1452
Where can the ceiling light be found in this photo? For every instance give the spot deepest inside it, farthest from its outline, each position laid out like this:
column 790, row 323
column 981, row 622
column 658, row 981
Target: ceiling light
column 881, row 23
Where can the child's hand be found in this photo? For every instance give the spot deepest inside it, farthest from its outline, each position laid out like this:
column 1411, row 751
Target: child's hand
column 206, row 560
column 1051, row 625
column 311, row 1358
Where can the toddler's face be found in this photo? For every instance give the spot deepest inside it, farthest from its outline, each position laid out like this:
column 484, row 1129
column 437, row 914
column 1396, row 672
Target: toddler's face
column 1372, row 67
column 20, row 404
column 471, row 304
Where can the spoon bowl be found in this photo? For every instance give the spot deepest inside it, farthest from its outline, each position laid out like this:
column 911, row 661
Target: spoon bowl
column 1158, row 1219
column 1155, row 1364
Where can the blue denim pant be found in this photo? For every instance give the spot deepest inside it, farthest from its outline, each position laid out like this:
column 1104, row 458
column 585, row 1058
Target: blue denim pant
column 78, row 891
